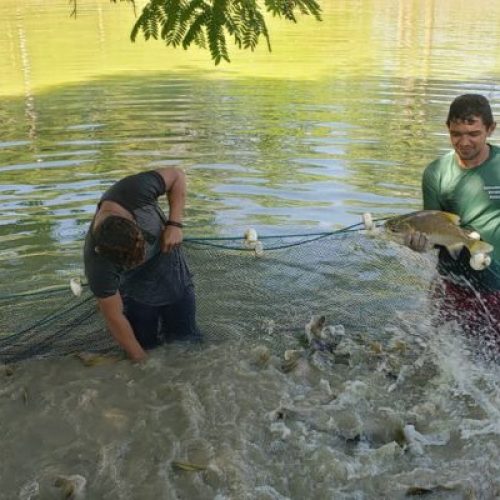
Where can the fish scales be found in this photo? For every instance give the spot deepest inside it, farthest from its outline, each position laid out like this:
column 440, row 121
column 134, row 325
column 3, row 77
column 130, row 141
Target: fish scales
column 441, row 228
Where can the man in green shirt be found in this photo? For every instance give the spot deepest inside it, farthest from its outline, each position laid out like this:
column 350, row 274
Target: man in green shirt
column 466, row 182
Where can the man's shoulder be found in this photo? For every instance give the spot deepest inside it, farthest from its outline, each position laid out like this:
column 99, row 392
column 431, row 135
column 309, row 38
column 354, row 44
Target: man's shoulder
column 495, row 152
column 103, row 277
column 434, row 171
column 136, row 190
column 441, row 162
column 146, row 179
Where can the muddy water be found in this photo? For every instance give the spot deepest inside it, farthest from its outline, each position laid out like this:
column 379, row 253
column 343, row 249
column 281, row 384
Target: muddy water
column 338, row 120
column 416, row 414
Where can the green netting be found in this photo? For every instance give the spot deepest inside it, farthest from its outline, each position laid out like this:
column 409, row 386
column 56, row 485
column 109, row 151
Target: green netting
column 353, row 277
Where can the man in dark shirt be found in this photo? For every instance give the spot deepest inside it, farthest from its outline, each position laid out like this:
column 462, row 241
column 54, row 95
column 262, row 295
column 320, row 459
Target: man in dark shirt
column 135, row 266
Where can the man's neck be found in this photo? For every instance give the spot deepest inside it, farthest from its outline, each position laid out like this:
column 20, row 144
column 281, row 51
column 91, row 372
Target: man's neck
column 476, row 162
column 108, row 208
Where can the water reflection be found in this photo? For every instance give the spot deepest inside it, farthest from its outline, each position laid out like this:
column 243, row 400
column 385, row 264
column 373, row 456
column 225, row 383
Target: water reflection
column 299, row 154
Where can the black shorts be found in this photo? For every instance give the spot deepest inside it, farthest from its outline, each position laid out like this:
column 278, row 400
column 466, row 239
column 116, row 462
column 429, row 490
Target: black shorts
column 155, row 325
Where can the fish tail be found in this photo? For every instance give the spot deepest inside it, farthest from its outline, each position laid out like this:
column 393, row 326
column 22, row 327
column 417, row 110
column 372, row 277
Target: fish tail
column 479, row 246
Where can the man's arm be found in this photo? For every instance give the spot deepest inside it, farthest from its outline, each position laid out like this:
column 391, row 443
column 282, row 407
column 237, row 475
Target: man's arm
column 418, row 241
column 175, row 180
column 430, row 193
column 112, row 310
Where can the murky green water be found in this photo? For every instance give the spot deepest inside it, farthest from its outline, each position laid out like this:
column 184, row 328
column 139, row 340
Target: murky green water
column 338, row 120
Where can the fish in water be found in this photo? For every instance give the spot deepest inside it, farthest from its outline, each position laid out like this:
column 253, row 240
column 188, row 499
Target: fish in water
column 322, row 337
column 6, row 370
column 260, row 356
column 188, row 466
column 94, row 359
column 314, row 329
column 292, row 358
column 443, row 229
column 72, row 487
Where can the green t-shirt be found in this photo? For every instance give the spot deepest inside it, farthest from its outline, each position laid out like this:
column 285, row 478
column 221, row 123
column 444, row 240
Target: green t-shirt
column 474, row 195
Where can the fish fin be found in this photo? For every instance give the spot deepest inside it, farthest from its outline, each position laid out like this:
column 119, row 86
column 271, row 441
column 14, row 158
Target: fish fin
column 479, row 246
column 479, row 261
column 95, row 359
column 188, row 466
column 453, row 218
column 455, row 249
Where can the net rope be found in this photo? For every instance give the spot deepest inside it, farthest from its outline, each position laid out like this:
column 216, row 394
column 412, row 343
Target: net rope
column 267, row 291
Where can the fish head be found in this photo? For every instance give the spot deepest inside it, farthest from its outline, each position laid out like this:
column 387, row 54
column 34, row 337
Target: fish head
column 398, row 225
column 315, row 326
column 393, row 224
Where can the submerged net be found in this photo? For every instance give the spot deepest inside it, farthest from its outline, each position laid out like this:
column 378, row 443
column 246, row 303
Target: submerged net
column 354, row 278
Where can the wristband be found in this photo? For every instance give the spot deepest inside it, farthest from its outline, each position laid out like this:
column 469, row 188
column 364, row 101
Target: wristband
column 174, row 223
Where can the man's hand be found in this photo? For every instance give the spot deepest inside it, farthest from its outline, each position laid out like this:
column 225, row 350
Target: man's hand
column 139, row 357
column 417, row 241
column 119, row 326
column 171, row 238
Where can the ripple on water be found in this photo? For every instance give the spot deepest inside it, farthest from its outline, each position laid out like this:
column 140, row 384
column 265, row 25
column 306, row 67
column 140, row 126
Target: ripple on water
column 334, row 430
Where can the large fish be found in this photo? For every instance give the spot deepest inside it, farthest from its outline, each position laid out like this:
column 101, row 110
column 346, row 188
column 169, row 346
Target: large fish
column 443, row 229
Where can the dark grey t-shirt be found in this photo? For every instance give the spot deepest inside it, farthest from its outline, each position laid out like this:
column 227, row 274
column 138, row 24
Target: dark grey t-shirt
column 163, row 277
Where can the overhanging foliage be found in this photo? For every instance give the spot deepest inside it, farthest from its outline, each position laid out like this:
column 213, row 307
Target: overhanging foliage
column 208, row 23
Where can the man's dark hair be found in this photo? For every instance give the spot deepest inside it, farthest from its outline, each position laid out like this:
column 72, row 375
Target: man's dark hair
column 469, row 106
column 120, row 240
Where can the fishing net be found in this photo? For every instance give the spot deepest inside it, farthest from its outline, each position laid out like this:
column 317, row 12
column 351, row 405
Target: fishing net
column 267, row 290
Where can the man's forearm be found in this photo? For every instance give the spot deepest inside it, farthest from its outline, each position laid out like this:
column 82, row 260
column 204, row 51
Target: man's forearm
column 177, row 197
column 122, row 332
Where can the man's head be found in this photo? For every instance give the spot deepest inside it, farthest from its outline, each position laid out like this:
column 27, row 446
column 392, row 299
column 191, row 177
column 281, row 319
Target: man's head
column 470, row 123
column 121, row 241
column 469, row 107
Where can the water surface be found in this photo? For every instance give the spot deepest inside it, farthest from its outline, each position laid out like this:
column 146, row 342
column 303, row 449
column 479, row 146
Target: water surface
column 340, row 119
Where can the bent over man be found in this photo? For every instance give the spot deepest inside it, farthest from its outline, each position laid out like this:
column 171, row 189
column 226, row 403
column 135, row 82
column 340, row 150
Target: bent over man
column 135, row 266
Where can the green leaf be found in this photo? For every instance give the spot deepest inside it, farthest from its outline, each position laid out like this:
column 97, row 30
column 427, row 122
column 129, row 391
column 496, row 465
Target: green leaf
column 208, row 22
